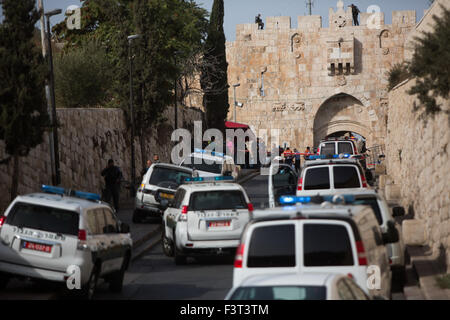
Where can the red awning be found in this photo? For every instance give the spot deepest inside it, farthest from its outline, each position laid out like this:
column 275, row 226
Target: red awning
column 235, row 125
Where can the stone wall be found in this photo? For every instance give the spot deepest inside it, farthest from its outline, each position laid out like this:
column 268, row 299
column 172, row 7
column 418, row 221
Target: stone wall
column 417, row 162
column 87, row 139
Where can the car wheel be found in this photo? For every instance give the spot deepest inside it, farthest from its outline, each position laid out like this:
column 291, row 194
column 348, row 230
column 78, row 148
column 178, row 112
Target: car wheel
column 167, row 244
column 116, row 280
column 90, row 287
column 4, row 279
column 137, row 216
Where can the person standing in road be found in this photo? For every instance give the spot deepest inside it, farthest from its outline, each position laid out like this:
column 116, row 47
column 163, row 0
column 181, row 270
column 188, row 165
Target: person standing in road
column 155, row 158
column 113, row 176
column 297, row 160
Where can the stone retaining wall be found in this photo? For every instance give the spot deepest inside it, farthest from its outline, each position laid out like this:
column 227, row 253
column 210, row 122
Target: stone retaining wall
column 87, row 139
column 418, row 165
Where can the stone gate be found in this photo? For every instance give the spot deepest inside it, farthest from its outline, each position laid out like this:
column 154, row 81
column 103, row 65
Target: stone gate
column 311, row 81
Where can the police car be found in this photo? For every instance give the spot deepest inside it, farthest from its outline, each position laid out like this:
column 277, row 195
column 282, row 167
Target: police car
column 206, row 217
column 53, row 234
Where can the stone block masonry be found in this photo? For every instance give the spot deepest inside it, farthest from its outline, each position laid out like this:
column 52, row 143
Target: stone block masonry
column 87, row 139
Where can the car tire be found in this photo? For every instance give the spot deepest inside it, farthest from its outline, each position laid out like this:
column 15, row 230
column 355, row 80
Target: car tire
column 179, row 258
column 137, row 216
column 4, row 279
column 88, row 290
column 116, row 280
column 167, row 244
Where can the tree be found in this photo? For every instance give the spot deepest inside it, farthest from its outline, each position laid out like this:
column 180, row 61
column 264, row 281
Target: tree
column 83, row 76
column 23, row 113
column 430, row 64
column 213, row 83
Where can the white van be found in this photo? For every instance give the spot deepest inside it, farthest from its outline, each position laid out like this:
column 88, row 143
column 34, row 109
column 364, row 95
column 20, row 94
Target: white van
column 316, row 238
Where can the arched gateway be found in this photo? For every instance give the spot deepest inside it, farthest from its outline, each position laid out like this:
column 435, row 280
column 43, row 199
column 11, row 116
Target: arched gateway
column 342, row 112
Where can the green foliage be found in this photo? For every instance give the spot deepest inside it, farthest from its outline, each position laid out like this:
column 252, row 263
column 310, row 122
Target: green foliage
column 83, row 76
column 23, row 110
column 397, row 74
column 430, row 64
column 214, row 79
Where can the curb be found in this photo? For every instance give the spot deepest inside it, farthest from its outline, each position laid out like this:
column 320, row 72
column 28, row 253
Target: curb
column 146, row 249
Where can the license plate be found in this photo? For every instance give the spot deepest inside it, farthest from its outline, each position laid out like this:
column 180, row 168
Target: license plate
column 166, row 195
column 215, row 224
column 36, row 246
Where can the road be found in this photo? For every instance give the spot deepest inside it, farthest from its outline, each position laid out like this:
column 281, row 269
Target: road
column 155, row 276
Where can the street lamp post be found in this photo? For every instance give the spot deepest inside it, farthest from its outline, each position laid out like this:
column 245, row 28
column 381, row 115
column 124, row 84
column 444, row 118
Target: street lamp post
column 235, row 102
column 56, row 175
column 133, row 173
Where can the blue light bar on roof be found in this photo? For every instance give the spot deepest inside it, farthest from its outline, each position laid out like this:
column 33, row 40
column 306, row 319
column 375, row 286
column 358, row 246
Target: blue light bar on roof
column 206, row 179
column 223, row 178
column 196, row 179
column 52, row 189
column 334, row 156
column 294, row 199
column 87, row 195
column 213, row 153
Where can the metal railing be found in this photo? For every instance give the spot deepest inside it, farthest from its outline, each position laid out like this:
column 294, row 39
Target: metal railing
column 375, row 155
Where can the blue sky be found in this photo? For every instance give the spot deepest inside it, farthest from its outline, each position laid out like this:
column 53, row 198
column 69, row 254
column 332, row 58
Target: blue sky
column 244, row 11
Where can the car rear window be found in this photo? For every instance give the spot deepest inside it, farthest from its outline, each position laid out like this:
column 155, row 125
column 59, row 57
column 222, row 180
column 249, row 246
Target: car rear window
column 212, row 168
column 346, row 177
column 345, row 147
column 44, row 218
column 217, row 200
column 168, row 177
column 272, row 246
column 280, row 293
column 327, row 148
column 317, row 178
column 326, row 245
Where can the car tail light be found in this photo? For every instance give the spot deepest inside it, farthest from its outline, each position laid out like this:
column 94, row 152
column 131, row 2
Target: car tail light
column 300, row 184
column 2, row 221
column 183, row 215
column 250, row 207
column 318, row 150
column 82, row 235
column 239, row 256
column 362, row 260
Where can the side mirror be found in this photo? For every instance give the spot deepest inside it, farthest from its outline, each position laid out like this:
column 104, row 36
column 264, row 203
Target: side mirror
column 124, row 228
column 398, row 211
column 391, row 235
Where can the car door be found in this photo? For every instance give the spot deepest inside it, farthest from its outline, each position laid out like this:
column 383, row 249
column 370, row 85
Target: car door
column 171, row 213
column 101, row 242
column 116, row 250
column 282, row 181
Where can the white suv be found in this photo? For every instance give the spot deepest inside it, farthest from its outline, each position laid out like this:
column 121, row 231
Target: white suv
column 210, row 164
column 323, row 238
column 159, row 182
column 43, row 234
column 205, row 218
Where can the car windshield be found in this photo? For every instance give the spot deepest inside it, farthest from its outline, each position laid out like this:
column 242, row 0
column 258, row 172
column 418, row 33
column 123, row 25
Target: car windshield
column 212, row 168
column 217, row 200
column 280, row 293
column 24, row 215
column 168, row 177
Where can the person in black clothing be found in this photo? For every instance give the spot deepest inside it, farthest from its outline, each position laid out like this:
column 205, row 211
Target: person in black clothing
column 113, row 176
column 259, row 21
column 355, row 12
column 144, row 171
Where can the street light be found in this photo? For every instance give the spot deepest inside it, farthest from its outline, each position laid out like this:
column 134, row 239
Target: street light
column 235, row 103
column 133, row 173
column 56, row 176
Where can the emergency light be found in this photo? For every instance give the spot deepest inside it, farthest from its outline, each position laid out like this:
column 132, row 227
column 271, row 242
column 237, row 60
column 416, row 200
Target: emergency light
column 336, row 199
column 334, row 156
column 213, row 153
column 208, row 179
column 54, row 190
